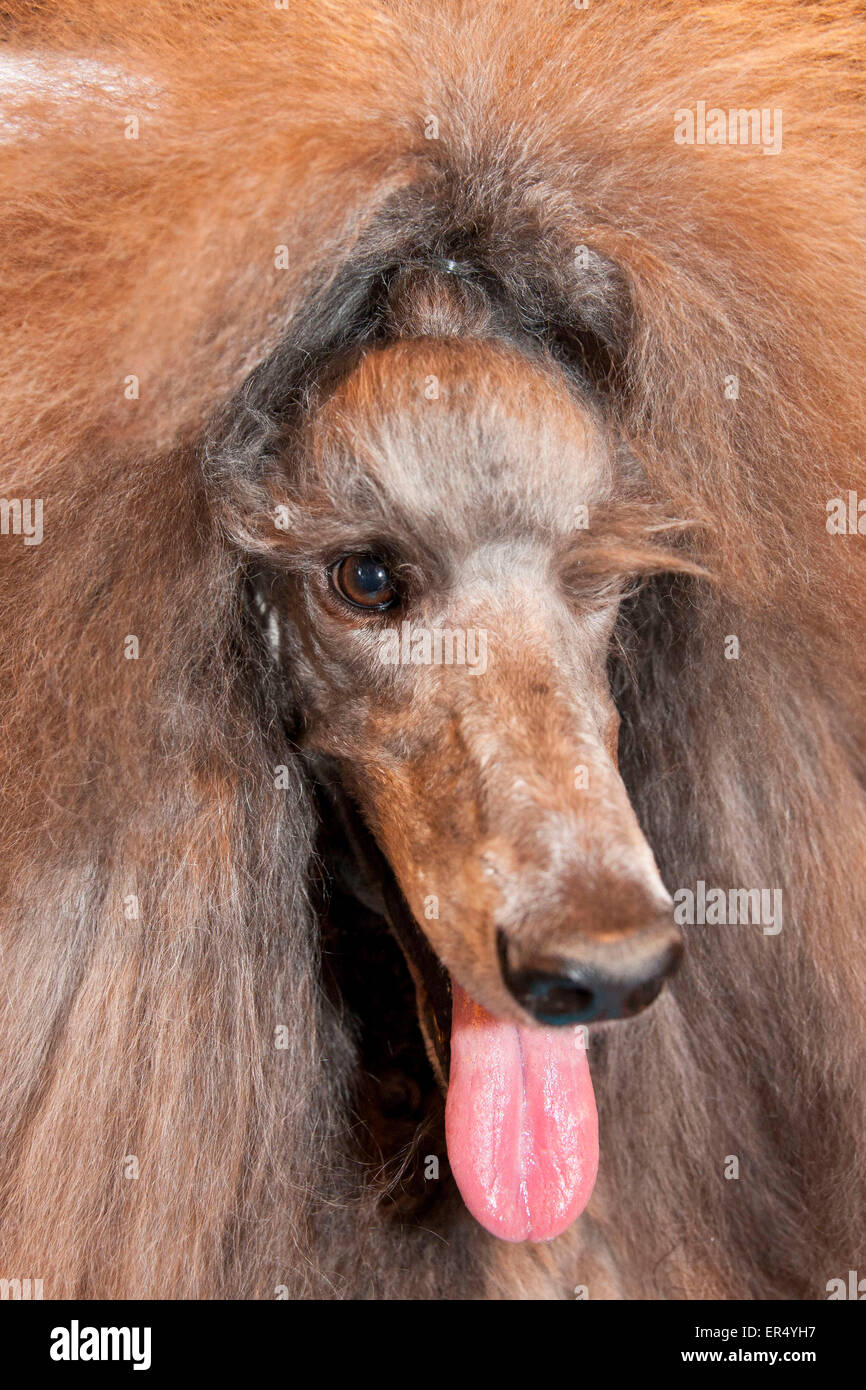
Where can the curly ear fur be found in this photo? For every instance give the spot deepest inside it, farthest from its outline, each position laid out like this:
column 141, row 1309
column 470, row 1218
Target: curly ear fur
column 158, row 894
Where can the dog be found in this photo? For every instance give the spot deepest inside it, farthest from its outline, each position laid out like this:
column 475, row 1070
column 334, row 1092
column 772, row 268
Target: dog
column 438, row 420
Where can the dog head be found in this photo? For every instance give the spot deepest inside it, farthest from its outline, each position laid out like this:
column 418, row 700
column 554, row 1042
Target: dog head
column 453, row 632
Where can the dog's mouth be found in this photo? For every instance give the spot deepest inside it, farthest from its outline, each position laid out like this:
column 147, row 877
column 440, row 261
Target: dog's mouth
column 433, row 998
column 510, row 1105
column 361, row 870
column 388, row 982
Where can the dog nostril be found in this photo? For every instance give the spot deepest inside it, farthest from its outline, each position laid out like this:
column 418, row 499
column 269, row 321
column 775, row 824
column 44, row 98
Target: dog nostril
column 642, row 996
column 552, row 999
column 545, row 989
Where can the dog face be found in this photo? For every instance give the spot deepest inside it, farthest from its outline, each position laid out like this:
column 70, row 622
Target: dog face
column 469, row 539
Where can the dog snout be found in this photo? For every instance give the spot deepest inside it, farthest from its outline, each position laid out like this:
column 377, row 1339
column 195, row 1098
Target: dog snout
column 593, row 981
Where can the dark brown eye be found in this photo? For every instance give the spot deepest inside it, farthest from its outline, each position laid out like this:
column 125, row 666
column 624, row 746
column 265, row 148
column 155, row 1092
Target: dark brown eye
column 365, row 581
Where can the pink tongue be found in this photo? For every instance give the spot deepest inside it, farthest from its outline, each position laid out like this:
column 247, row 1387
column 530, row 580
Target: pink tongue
column 520, row 1122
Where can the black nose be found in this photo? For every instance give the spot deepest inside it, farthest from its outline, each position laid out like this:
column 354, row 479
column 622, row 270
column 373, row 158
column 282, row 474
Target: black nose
column 605, row 980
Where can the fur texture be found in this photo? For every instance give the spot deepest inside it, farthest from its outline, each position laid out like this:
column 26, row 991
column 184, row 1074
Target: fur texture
column 157, row 257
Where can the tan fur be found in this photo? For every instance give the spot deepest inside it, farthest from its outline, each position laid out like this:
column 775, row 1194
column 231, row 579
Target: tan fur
column 153, row 1036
